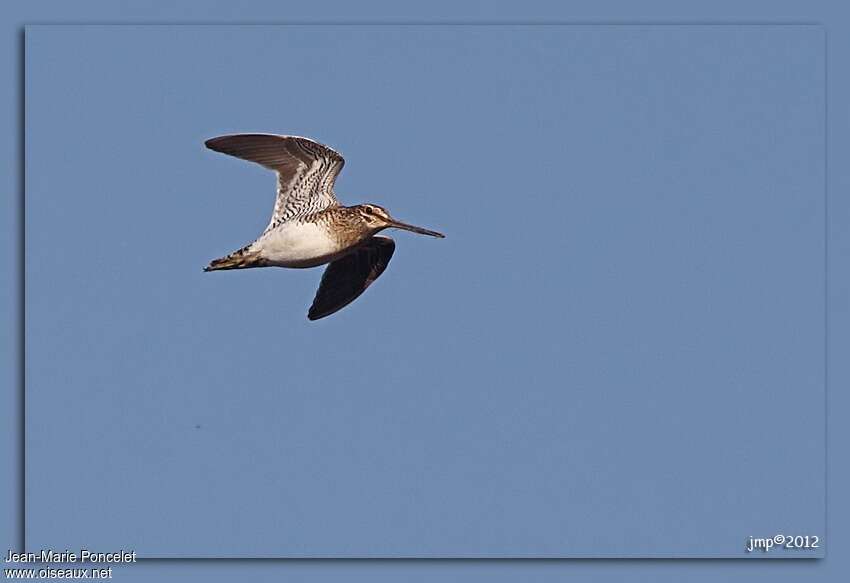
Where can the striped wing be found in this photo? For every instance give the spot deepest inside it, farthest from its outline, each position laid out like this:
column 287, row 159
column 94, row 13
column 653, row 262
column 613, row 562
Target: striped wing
column 306, row 170
column 348, row 277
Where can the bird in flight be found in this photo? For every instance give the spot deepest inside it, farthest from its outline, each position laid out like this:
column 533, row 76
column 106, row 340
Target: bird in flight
column 308, row 226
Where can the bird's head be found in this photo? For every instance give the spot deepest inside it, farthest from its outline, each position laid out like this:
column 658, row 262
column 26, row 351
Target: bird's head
column 377, row 218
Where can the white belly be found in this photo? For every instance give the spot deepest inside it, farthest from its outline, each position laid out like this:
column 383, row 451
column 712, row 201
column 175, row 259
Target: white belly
column 297, row 245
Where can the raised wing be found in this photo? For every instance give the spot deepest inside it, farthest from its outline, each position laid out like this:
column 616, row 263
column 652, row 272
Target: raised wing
column 348, row 277
column 306, row 170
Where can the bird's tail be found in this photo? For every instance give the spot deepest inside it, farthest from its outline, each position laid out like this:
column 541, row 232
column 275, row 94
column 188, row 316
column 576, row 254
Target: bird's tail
column 239, row 259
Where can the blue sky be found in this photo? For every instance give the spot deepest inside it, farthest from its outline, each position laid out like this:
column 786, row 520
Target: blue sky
column 634, row 259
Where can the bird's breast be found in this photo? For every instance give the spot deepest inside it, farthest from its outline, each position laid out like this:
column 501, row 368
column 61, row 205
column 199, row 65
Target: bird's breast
column 299, row 245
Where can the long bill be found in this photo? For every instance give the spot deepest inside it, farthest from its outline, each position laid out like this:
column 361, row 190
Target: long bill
column 399, row 225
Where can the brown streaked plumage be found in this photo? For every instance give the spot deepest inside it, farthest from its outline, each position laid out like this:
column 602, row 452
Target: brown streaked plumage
column 308, row 226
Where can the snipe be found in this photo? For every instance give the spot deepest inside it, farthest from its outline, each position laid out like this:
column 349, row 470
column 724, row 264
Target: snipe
column 308, row 226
